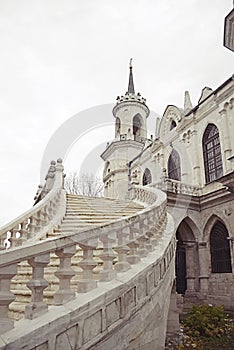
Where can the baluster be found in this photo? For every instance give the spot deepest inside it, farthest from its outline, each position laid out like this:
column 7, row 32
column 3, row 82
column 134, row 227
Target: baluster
column 87, row 264
column 142, row 251
column 23, row 232
column 150, row 244
column 108, row 273
column 38, row 220
column 37, row 284
column 133, row 257
column 122, row 250
column 64, row 273
column 6, row 297
column 32, row 227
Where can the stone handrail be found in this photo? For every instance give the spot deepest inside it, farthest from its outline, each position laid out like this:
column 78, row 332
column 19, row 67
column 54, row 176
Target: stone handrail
column 176, row 186
column 43, row 216
column 132, row 238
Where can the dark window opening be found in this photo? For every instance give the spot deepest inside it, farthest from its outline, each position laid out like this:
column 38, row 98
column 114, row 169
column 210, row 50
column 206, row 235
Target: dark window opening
column 173, row 125
column 220, row 249
column 147, row 178
column 136, row 126
column 174, row 170
column 117, row 126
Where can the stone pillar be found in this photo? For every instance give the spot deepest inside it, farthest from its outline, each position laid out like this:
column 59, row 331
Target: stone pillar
column 64, row 274
column 225, row 139
column 190, row 273
column 37, row 284
column 196, row 159
column 6, row 297
column 88, row 263
column 203, row 264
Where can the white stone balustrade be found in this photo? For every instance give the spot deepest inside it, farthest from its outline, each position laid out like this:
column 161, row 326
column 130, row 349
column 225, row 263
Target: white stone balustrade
column 42, row 217
column 124, row 235
column 175, row 186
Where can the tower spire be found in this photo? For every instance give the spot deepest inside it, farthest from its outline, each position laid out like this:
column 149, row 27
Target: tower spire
column 131, row 89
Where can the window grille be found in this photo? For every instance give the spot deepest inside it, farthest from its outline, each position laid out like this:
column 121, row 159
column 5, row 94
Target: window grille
column 220, row 249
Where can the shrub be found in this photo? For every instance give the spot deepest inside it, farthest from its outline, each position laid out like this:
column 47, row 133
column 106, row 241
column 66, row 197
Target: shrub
column 207, row 327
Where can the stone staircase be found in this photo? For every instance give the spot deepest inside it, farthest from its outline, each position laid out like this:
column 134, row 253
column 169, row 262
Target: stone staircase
column 81, row 213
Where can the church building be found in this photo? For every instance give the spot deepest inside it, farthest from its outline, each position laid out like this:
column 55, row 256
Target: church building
column 190, row 158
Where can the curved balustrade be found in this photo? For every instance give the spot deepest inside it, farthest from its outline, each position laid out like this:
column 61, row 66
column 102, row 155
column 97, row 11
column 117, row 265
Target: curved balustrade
column 125, row 242
column 175, row 186
column 42, row 217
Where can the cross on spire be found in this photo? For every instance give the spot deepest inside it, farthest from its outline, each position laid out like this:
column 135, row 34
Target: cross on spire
column 131, row 89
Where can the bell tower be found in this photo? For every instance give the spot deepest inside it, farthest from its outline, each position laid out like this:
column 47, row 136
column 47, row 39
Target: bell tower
column 130, row 113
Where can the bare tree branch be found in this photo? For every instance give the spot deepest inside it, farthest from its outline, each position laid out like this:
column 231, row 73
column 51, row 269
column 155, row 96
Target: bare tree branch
column 85, row 184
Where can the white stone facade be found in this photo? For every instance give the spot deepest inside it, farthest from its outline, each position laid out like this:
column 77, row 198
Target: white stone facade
column 192, row 159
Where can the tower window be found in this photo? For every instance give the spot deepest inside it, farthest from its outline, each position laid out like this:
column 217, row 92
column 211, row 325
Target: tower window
column 220, row 249
column 137, row 125
column 147, row 178
column 212, row 153
column 117, row 126
column 174, row 170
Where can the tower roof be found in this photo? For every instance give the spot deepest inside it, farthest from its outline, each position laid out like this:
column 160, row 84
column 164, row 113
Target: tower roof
column 130, row 95
column 131, row 89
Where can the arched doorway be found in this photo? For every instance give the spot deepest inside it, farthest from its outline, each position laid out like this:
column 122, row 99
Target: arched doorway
column 186, row 264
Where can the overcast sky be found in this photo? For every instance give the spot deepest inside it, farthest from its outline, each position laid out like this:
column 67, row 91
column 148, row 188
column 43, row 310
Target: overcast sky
column 59, row 58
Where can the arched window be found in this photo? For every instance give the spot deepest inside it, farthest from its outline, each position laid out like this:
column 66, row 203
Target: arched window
column 173, row 125
column 117, row 126
column 174, row 170
column 147, row 178
column 220, row 249
column 212, row 153
column 137, row 125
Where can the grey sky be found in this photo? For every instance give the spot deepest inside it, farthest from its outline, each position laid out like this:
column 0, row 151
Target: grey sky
column 61, row 57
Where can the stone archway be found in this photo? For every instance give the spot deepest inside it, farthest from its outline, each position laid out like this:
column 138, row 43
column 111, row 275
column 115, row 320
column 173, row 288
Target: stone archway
column 187, row 268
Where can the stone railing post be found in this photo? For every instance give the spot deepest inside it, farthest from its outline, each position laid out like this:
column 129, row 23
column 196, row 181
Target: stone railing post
column 23, row 232
column 64, row 274
column 87, row 264
column 108, row 273
column 37, row 284
column 122, row 249
column 133, row 257
column 6, row 297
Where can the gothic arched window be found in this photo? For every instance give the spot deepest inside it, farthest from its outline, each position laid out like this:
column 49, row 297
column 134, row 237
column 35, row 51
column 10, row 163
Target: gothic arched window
column 147, row 178
column 174, row 170
column 220, row 249
column 212, row 153
column 137, row 125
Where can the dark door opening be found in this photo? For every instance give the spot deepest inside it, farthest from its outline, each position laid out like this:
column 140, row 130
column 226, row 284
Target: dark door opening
column 180, row 266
